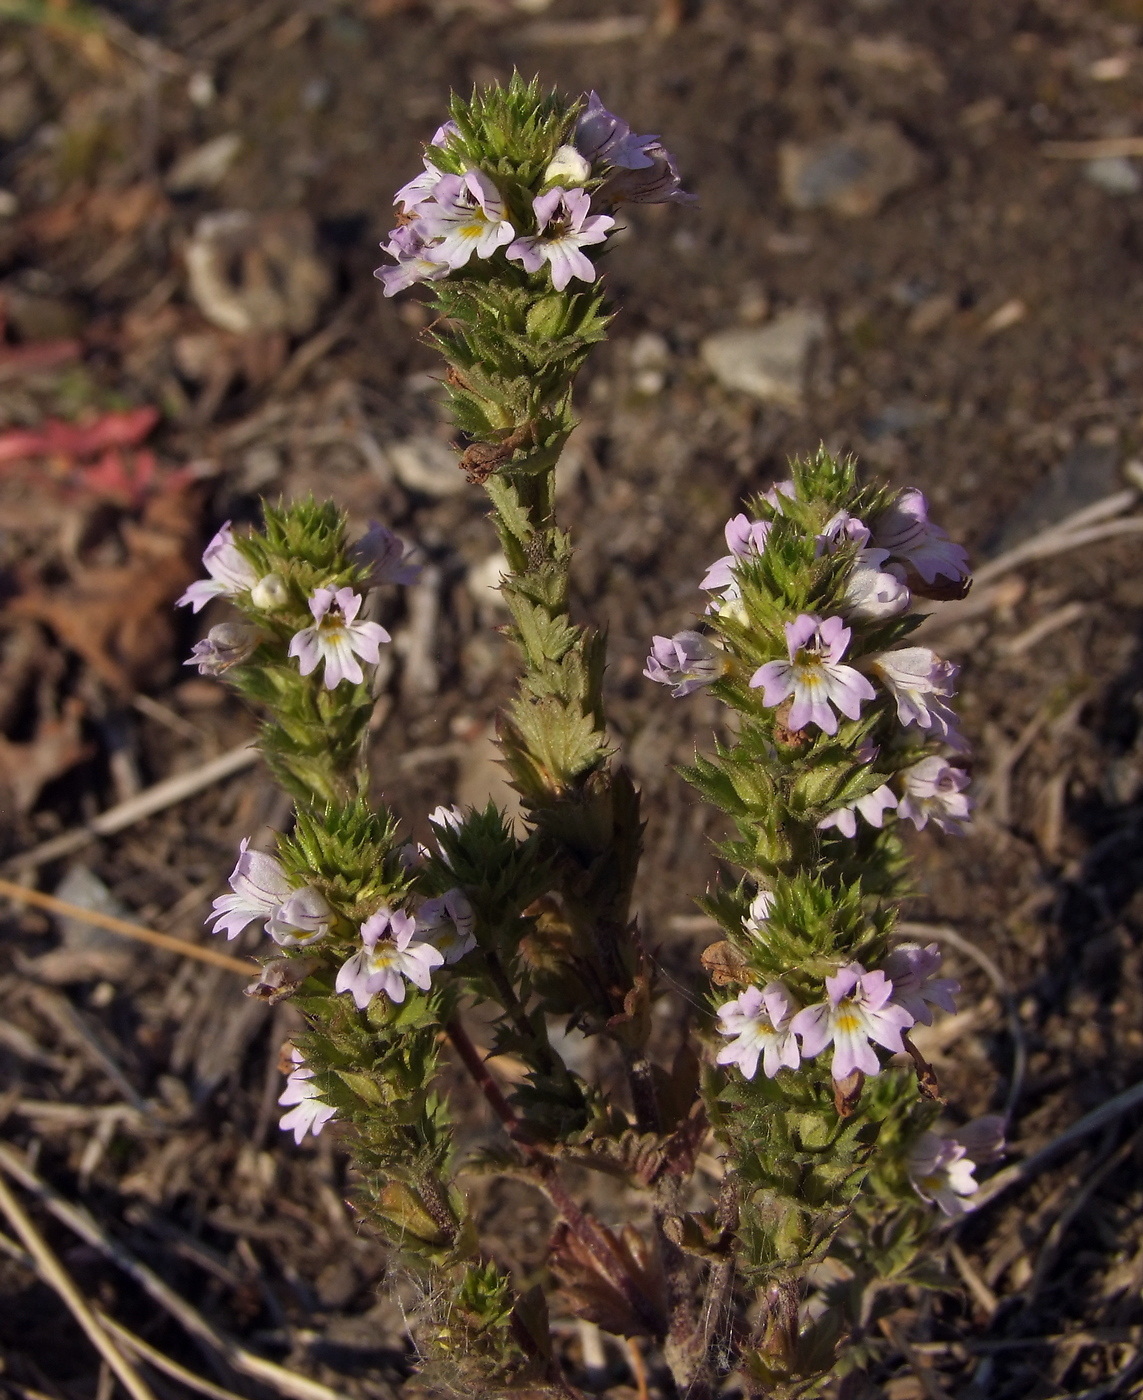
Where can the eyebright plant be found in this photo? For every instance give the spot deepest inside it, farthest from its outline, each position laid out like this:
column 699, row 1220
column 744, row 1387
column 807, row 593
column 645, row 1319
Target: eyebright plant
column 792, row 1159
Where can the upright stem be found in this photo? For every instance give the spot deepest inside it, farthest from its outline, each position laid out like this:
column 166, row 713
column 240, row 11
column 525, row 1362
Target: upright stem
column 596, row 1240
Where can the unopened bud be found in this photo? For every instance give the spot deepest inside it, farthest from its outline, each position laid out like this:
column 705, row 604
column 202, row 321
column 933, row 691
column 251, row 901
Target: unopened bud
column 226, row 645
column 269, row 593
column 567, row 168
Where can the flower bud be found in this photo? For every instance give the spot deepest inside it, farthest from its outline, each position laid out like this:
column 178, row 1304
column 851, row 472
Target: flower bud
column 226, row 645
column 269, row 593
column 567, row 167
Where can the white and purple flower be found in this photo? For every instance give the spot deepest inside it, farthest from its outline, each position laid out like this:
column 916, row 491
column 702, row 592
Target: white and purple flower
column 814, row 675
column 336, row 638
column 225, row 645
column 758, row 915
column 448, row 922
column 310, row 1113
column 906, row 531
column 685, row 662
column 934, row 792
column 386, row 557
column 565, row 227
column 422, row 186
column 388, row 956
column 922, row 684
column 941, row 1169
column 414, row 264
column 872, row 807
column 230, row 573
column 760, row 1022
column 859, row 1009
column 260, row 889
column 465, row 216
column 601, row 135
column 913, row 968
column 874, row 588
column 744, row 537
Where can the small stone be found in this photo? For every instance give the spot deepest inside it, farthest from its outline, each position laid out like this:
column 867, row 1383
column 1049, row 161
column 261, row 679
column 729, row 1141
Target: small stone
column 205, row 166
column 19, row 109
column 770, row 361
column 1085, row 475
column 1114, row 175
column 852, row 173
column 649, row 357
column 930, row 314
column 9, row 204
column 257, row 272
column 483, row 581
column 426, row 464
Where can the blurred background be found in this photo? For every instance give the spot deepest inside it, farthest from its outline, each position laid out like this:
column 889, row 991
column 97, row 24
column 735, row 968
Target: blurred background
column 919, row 239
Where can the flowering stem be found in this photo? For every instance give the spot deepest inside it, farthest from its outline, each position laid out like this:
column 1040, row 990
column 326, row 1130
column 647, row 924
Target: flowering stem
column 595, row 1240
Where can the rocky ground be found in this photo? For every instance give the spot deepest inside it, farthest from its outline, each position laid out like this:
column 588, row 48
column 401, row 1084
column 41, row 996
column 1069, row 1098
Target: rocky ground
column 920, row 239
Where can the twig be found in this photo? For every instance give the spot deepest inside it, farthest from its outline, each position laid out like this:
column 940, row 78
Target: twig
column 310, row 351
column 1085, row 526
column 88, row 1229
column 54, row 1273
column 1103, row 148
column 930, row 1381
column 154, row 799
column 243, row 966
column 142, row 1349
column 1020, row 1173
column 943, row 934
column 57, row 1009
column 980, row 1290
column 1072, row 1211
column 595, row 1239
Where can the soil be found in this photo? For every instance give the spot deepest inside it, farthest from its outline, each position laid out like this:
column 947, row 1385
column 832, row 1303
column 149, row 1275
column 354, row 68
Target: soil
column 983, row 342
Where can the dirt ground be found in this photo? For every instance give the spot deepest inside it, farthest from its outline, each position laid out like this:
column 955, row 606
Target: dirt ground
column 979, row 335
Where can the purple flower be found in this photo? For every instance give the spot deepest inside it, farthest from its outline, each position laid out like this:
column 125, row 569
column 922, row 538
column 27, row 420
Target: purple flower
column 773, row 496
column 813, row 675
column 229, row 572
column 421, row 187
column 228, row 644
column 872, row 807
column 921, row 684
column 407, row 244
column 875, row 590
column 384, row 962
column 912, row 970
column 760, row 1022
column 934, row 791
column 685, row 662
column 904, row 529
column 840, row 530
column 310, row 1114
column 758, row 915
column 465, row 216
column 660, row 183
column 448, row 923
column 601, row 135
column 743, row 538
column 304, row 913
column 941, row 1168
column 385, row 556
column 336, row 638
column 565, row 225
column 859, row 1009
column 259, row 888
